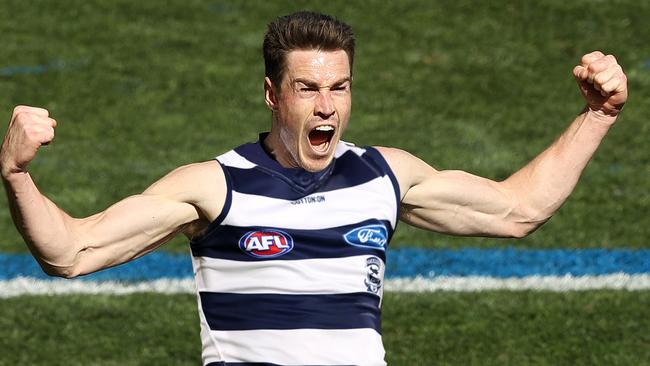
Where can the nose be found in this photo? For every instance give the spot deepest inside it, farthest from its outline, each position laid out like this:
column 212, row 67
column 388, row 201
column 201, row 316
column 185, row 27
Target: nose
column 324, row 107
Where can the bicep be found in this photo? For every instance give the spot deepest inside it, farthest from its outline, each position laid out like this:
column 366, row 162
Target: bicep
column 140, row 223
column 451, row 201
column 459, row 203
column 127, row 230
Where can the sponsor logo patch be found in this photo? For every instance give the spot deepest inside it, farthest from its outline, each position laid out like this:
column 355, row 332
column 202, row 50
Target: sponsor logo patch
column 374, row 274
column 309, row 199
column 369, row 236
column 266, row 243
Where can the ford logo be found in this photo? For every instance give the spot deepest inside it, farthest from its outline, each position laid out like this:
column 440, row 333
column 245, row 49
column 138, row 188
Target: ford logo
column 369, row 236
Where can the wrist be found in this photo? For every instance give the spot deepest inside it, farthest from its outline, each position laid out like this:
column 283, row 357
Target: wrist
column 600, row 117
column 10, row 173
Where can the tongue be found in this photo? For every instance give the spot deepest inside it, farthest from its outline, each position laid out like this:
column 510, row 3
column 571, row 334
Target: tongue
column 319, row 137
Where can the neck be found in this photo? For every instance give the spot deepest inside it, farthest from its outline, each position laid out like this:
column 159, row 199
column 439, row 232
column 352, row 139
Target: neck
column 275, row 147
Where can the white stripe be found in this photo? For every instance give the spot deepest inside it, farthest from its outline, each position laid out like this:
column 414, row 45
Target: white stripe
column 620, row 281
column 617, row 281
column 308, row 276
column 342, row 147
column 377, row 197
column 303, row 346
column 231, row 158
column 30, row 286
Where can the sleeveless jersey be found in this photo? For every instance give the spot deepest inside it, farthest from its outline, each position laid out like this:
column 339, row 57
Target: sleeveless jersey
column 291, row 271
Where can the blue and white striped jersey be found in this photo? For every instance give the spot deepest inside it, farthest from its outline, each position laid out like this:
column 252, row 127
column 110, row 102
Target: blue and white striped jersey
column 291, row 272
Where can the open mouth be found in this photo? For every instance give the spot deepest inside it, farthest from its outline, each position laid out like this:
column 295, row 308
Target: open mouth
column 320, row 137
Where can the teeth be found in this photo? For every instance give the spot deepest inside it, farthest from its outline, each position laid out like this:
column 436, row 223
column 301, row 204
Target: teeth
column 324, row 128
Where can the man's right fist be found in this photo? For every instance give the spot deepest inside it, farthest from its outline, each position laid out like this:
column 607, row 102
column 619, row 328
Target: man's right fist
column 29, row 129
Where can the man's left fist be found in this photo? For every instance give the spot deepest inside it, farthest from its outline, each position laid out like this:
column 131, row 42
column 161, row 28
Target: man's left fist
column 602, row 82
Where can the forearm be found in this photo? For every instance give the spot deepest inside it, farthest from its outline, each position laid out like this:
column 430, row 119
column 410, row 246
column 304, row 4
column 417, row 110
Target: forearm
column 43, row 225
column 543, row 185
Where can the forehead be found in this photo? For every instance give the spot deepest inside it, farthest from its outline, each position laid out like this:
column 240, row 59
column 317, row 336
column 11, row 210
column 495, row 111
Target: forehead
column 317, row 65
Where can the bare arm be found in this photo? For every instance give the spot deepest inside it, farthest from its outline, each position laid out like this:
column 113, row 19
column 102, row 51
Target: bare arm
column 459, row 203
column 67, row 246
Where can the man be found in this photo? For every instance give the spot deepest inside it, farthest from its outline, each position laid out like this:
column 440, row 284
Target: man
column 288, row 234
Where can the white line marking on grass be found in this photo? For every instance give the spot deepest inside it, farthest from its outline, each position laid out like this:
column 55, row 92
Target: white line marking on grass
column 29, row 286
column 617, row 281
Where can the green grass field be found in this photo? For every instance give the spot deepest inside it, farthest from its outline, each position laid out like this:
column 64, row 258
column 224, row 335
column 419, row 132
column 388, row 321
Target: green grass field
column 494, row 328
column 139, row 88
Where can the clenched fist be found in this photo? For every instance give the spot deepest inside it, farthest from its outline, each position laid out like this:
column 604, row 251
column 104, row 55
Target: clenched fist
column 602, row 82
column 29, row 129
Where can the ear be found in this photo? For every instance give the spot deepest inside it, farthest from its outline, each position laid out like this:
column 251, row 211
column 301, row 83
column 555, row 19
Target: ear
column 270, row 95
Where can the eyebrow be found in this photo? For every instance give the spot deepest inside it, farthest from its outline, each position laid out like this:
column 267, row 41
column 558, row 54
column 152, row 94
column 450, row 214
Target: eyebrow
column 313, row 84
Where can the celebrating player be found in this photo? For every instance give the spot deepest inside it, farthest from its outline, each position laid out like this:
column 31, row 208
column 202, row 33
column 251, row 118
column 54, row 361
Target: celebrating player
column 288, row 234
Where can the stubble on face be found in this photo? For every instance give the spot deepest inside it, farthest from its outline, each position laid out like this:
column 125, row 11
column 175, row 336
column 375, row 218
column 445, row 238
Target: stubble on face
column 311, row 109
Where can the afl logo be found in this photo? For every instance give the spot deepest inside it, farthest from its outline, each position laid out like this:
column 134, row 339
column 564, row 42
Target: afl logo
column 266, row 243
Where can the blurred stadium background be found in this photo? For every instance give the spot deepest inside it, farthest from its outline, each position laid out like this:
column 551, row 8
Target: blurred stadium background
column 139, row 88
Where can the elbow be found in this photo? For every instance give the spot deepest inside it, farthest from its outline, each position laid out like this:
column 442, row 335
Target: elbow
column 66, row 272
column 522, row 228
column 57, row 269
column 520, row 231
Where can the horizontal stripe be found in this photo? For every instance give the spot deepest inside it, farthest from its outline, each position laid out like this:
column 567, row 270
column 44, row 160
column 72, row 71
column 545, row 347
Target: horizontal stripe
column 619, row 281
column 224, row 243
column 30, row 286
column 232, row 159
column 302, row 181
column 254, row 364
column 242, row 364
column 311, row 276
column 302, row 346
column 514, row 262
column 21, row 286
column 335, row 208
column 151, row 266
column 402, row 262
column 228, row 311
column 342, row 147
column 348, row 171
column 55, row 65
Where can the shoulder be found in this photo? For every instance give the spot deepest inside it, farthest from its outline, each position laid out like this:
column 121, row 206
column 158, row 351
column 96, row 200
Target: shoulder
column 195, row 174
column 408, row 169
column 201, row 184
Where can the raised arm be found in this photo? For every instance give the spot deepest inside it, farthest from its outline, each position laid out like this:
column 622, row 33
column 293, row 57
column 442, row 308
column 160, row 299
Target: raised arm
column 459, row 203
column 182, row 201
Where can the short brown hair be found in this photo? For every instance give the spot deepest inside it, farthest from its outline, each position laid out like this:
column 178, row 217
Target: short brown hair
column 304, row 30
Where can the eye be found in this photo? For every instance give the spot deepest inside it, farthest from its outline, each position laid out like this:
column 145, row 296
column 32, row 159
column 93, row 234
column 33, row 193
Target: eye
column 340, row 88
column 307, row 91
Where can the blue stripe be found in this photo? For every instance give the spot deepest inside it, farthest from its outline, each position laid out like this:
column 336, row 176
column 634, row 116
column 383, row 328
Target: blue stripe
column 348, row 170
column 511, row 262
column 228, row 311
column 152, row 266
column 300, row 180
column 406, row 262
column 223, row 243
column 37, row 69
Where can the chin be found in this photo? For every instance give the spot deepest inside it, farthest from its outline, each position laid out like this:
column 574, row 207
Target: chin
column 314, row 166
column 313, row 160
